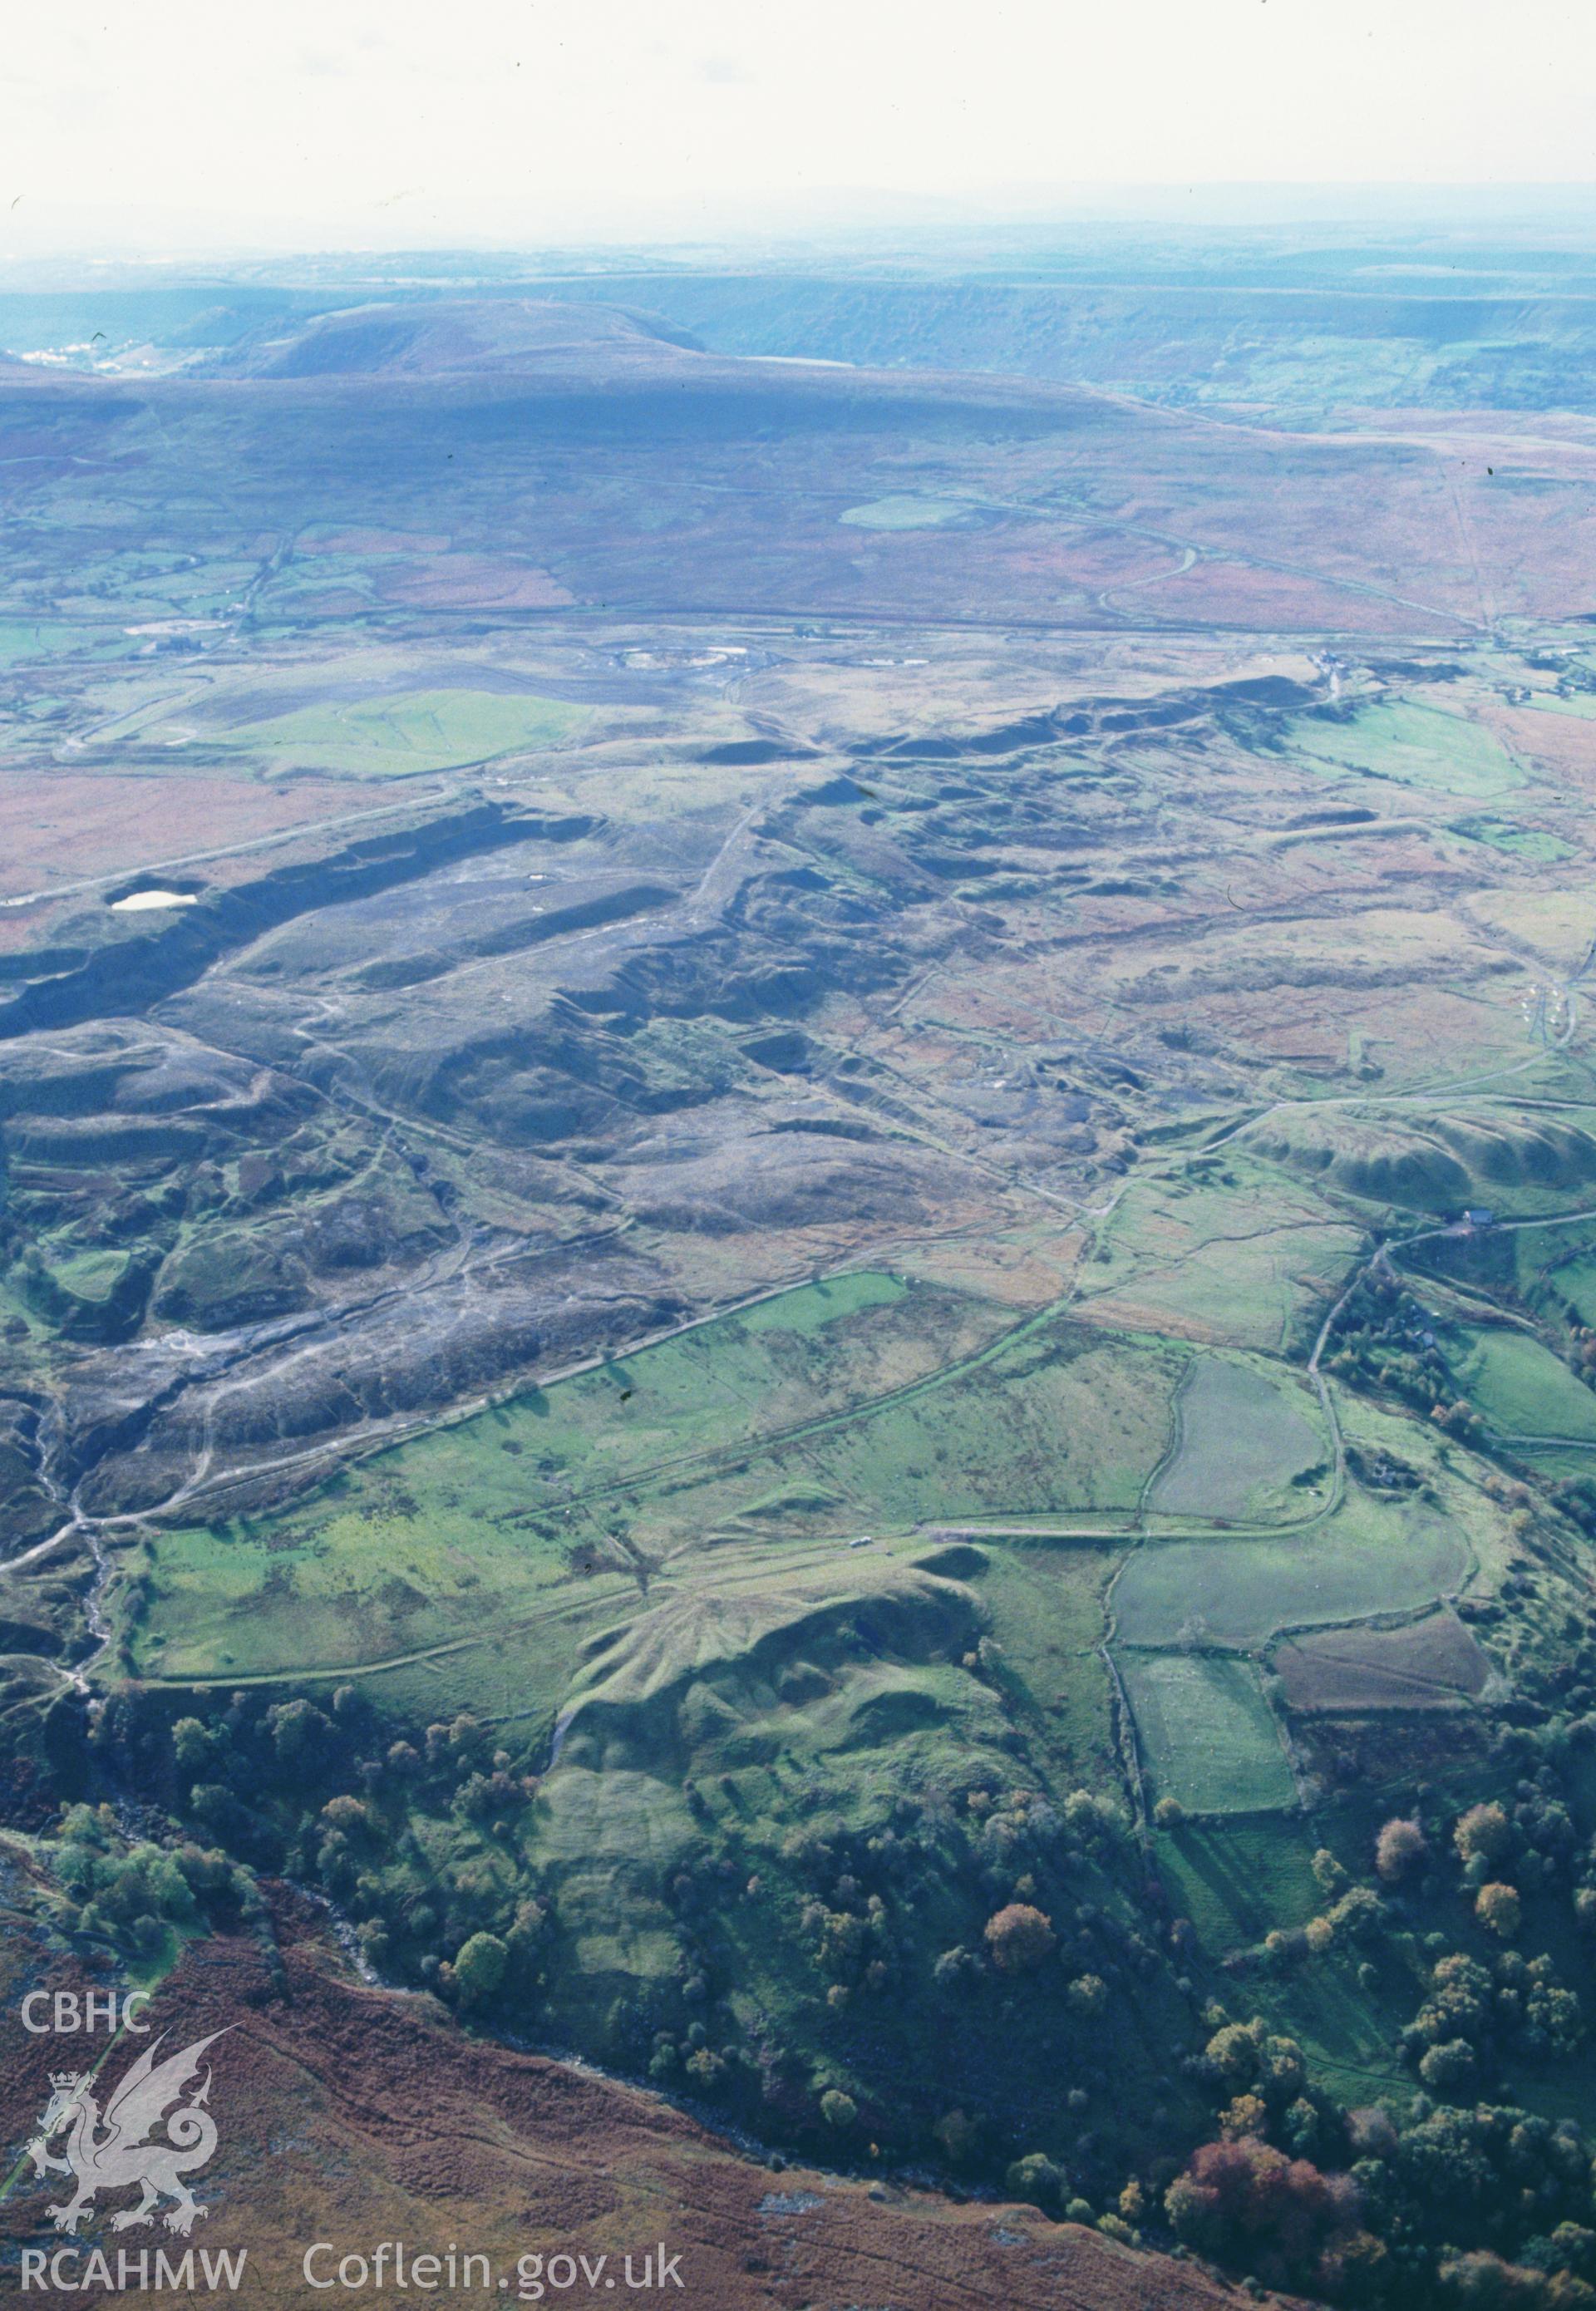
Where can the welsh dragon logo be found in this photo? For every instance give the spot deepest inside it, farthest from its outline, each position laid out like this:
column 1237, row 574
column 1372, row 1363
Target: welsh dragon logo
column 116, row 2153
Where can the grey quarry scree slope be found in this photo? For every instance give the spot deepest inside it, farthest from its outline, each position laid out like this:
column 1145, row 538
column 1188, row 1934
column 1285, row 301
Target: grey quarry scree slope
column 798, row 1262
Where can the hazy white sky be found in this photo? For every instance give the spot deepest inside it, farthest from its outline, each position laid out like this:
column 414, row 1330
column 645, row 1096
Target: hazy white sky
column 401, row 123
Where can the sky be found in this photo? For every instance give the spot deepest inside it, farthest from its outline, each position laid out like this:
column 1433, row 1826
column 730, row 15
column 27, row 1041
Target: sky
column 195, row 125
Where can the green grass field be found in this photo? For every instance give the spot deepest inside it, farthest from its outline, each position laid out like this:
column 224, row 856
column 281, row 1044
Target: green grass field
column 414, row 731
column 1415, row 745
column 1552, row 1269
column 1519, row 1386
column 1053, row 1424
column 824, row 1412
column 1045, row 1601
column 1371, row 1557
column 1235, row 1879
column 398, row 733
column 904, row 513
column 1172, row 1254
column 1047, row 1422
column 1241, row 1438
column 1206, row 1733
column 1574, row 1281
column 408, row 1549
column 1533, row 844
column 24, row 640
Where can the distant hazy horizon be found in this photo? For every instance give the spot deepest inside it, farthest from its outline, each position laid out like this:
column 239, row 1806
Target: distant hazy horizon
column 983, row 228
column 182, row 130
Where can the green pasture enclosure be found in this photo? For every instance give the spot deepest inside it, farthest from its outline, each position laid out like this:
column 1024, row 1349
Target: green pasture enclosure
column 1044, row 1603
column 1372, row 1557
column 395, row 734
column 1534, row 844
column 1516, row 1384
column 416, row 730
column 1242, row 1436
column 1207, row 1736
column 1236, row 1876
column 907, row 511
column 1413, row 745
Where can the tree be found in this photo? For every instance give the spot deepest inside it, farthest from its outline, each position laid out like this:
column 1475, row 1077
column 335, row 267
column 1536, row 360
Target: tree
column 1449, row 2067
column 1499, row 1910
column 1398, row 1850
column 1483, row 2281
column 957, row 1969
column 1233, row 2052
column 479, row 1968
column 959, row 2135
column 1019, row 1938
column 1037, row 2180
column 1088, row 1818
column 1459, row 2005
column 839, row 2109
column 1282, row 2069
column 301, row 1737
column 1357, row 1916
column 1243, row 2194
column 1169, row 1813
column 1554, row 2021
column 1089, row 1994
column 1371, row 2132
column 191, row 1745
column 1244, row 2113
column 1483, row 1834
column 1328, row 1873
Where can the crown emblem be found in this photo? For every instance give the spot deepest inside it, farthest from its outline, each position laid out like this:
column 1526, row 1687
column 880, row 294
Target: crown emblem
column 68, row 2077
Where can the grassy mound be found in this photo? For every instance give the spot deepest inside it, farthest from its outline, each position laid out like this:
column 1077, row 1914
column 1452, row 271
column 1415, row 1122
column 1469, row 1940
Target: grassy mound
column 1488, row 1155
column 695, row 1681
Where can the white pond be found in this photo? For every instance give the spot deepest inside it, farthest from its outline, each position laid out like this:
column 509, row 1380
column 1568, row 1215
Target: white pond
column 139, row 902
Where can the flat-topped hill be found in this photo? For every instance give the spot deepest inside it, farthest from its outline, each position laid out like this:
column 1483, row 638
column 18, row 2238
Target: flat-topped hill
column 493, row 337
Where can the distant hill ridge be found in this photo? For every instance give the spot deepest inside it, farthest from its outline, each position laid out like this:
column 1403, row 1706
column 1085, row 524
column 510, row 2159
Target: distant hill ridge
column 490, row 336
